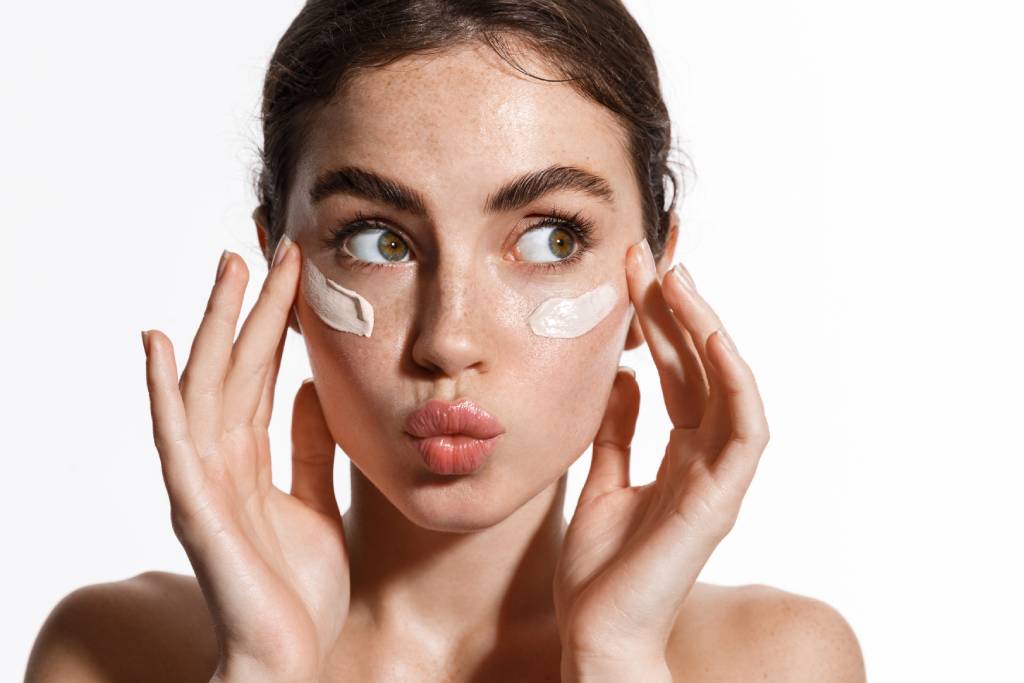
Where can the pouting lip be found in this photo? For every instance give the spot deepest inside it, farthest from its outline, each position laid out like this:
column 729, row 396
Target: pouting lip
column 463, row 416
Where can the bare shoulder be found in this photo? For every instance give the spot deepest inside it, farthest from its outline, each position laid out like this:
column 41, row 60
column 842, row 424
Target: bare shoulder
column 758, row 632
column 154, row 626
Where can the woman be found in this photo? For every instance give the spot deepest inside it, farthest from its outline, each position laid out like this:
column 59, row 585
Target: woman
column 463, row 205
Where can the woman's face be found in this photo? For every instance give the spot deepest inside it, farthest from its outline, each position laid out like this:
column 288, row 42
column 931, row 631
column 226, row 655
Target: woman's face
column 454, row 282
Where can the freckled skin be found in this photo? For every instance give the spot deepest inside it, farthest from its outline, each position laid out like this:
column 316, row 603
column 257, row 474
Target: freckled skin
column 453, row 322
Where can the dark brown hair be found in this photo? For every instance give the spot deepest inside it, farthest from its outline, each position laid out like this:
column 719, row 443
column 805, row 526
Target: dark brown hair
column 596, row 46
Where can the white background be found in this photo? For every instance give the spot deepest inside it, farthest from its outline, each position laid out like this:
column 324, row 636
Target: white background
column 855, row 220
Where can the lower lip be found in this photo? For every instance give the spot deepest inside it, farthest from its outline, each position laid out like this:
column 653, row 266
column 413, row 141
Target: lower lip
column 454, row 453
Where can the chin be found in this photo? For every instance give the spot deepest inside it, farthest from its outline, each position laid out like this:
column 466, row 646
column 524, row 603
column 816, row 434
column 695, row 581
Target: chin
column 462, row 503
column 457, row 521
column 455, row 505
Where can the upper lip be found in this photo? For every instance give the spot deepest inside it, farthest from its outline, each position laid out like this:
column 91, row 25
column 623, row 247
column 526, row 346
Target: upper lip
column 463, row 416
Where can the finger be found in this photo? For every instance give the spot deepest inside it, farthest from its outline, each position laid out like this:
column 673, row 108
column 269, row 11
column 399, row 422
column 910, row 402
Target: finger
column 682, row 379
column 266, row 406
column 748, row 435
column 203, row 376
column 179, row 462
column 312, row 452
column 692, row 312
column 609, row 464
column 253, row 353
column 690, row 309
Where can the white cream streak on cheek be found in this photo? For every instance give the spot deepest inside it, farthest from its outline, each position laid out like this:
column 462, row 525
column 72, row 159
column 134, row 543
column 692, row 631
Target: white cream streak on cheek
column 341, row 309
column 561, row 317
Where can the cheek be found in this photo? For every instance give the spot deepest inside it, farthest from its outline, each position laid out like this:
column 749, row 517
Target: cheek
column 578, row 339
column 569, row 317
column 338, row 307
column 325, row 307
column 357, row 372
column 551, row 358
column 571, row 377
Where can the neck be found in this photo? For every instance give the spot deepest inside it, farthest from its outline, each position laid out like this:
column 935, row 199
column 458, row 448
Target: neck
column 455, row 583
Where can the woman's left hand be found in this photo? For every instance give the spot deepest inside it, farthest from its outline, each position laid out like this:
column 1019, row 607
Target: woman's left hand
column 631, row 554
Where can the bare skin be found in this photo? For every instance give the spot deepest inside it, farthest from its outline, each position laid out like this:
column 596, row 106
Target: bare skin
column 429, row 580
column 156, row 627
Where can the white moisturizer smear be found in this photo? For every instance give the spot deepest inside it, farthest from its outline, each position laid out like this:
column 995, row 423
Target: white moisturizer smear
column 340, row 308
column 563, row 318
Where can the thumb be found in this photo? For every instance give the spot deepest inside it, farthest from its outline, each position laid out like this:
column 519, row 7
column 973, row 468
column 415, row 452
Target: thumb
column 609, row 465
column 312, row 452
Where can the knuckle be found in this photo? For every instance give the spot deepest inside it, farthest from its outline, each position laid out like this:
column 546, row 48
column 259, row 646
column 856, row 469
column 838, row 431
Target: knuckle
column 763, row 432
column 270, row 303
column 187, row 522
column 201, row 390
column 275, row 301
column 756, row 435
column 727, row 524
column 211, row 307
column 185, row 380
column 218, row 315
column 181, row 524
column 612, row 445
column 166, row 443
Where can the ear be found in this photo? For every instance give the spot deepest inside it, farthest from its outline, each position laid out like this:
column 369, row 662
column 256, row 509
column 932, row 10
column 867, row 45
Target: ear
column 635, row 336
column 259, row 217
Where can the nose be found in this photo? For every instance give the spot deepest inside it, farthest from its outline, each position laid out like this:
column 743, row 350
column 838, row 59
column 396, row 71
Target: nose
column 454, row 323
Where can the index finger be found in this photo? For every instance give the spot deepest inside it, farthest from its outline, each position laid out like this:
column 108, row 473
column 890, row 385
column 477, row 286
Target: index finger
column 682, row 377
column 735, row 409
column 203, row 376
column 253, row 353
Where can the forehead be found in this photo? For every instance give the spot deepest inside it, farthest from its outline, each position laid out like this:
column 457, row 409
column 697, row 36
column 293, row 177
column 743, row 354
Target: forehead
column 464, row 116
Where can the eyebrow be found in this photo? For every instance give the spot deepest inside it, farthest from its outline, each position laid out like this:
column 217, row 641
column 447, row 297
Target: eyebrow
column 515, row 194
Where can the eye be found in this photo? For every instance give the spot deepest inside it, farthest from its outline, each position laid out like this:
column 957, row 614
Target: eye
column 368, row 244
column 538, row 244
column 558, row 240
column 556, row 234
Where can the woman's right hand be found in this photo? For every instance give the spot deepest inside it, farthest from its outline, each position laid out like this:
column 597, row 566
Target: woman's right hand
column 273, row 566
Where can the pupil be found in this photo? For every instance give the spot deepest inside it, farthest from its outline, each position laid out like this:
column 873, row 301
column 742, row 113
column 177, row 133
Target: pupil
column 388, row 244
column 560, row 245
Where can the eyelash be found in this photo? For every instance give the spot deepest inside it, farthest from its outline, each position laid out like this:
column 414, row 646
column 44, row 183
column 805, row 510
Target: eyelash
column 582, row 229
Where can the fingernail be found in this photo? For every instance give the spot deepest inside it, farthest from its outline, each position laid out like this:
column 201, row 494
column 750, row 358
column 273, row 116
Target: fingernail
column 628, row 369
column 683, row 277
column 220, row 266
column 307, row 380
column 646, row 256
column 279, row 251
column 145, row 341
